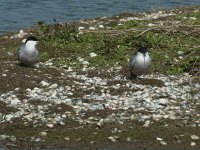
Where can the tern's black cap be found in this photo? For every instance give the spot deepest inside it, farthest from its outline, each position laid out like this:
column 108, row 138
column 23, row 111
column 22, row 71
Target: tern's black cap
column 142, row 50
column 31, row 38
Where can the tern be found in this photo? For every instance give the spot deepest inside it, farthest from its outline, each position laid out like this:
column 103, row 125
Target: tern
column 140, row 62
column 28, row 54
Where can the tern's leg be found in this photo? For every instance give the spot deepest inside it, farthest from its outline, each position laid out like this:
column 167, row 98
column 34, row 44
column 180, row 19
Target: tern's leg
column 133, row 76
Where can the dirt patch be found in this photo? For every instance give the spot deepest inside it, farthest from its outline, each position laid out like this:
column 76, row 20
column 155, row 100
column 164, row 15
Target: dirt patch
column 5, row 109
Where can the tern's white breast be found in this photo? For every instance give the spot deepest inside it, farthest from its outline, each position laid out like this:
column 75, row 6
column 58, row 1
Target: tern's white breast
column 28, row 53
column 141, row 63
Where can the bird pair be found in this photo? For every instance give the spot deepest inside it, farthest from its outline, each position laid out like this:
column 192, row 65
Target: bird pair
column 29, row 55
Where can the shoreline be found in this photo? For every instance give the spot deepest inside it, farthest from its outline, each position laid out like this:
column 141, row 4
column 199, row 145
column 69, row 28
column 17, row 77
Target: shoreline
column 81, row 94
column 63, row 20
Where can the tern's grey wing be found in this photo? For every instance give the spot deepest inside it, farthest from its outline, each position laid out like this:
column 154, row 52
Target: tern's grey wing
column 37, row 56
column 133, row 60
column 20, row 50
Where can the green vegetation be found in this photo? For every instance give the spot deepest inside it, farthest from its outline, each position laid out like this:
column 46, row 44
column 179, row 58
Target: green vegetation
column 165, row 39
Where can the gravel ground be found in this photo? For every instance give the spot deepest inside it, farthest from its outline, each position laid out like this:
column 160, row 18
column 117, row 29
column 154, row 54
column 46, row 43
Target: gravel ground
column 49, row 96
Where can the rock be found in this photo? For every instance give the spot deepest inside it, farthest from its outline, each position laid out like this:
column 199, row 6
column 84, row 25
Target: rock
column 180, row 53
column 156, row 117
column 4, row 75
column 15, row 101
column 112, row 139
column 84, row 69
column 91, row 28
column 159, row 139
column 13, row 138
column 115, row 130
column 38, row 140
column 101, row 26
column 21, row 34
column 8, row 117
column 49, row 125
column 69, row 69
column 128, row 139
column 53, row 86
column 44, row 83
column 193, row 144
column 93, row 142
column 163, row 143
column 23, row 41
column 81, row 28
column 193, row 18
column 163, row 101
column 43, row 133
column 85, row 63
column 194, row 137
column 80, row 59
column 147, row 123
column 151, row 24
column 99, row 124
column 3, row 137
column 93, row 55
column 66, row 138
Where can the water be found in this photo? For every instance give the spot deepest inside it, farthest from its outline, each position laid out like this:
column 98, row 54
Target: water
column 18, row 14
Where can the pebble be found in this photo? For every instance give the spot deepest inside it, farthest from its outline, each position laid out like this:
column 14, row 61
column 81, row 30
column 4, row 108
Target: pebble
column 53, row 86
column 8, row 117
column 81, row 28
column 38, row 140
column 85, row 63
column 93, row 142
column 101, row 26
column 4, row 75
column 99, row 124
column 180, row 53
column 163, row 143
column 151, row 24
column 128, row 139
column 44, row 83
column 43, row 133
column 193, row 18
column 147, row 123
column 93, row 54
column 194, row 137
column 69, row 69
column 50, row 125
column 21, row 34
column 112, row 139
column 13, row 138
column 66, row 138
column 163, row 101
column 91, row 28
column 15, row 101
column 193, row 144
column 3, row 137
column 159, row 139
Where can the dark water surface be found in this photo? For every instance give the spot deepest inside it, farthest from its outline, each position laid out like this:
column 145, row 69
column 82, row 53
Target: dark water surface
column 17, row 14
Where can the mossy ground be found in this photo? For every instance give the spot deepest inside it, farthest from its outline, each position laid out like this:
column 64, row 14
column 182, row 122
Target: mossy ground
column 117, row 42
column 91, row 137
column 114, row 43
